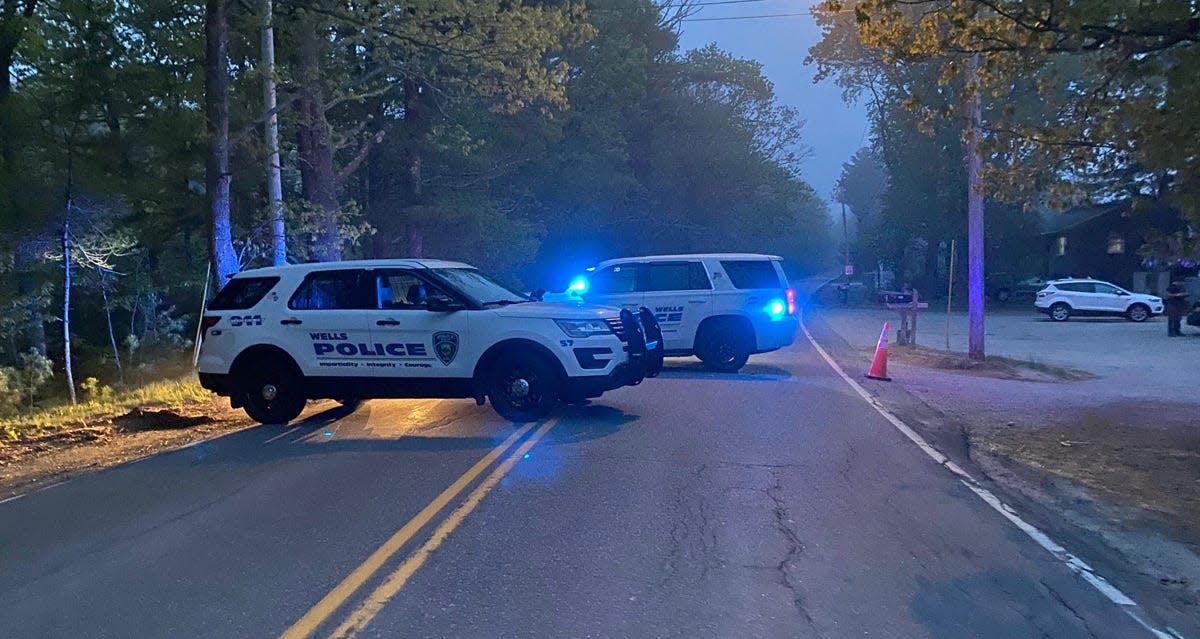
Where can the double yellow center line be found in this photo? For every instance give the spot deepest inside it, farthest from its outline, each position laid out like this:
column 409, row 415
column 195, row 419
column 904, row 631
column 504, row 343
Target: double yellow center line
column 358, row 619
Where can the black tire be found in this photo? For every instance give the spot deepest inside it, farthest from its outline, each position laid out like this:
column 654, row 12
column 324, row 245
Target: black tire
column 272, row 390
column 724, row 347
column 523, row 386
column 1003, row 295
column 1138, row 313
column 1060, row 312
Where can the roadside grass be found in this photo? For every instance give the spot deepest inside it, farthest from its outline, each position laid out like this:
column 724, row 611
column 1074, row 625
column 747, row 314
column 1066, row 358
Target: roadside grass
column 1062, row 373
column 169, row 393
column 991, row 366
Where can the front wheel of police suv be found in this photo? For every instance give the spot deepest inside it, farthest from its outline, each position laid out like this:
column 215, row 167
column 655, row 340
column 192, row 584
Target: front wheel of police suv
column 523, row 387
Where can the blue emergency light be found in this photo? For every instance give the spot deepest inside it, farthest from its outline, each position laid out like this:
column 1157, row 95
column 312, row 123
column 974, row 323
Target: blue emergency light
column 578, row 286
column 776, row 309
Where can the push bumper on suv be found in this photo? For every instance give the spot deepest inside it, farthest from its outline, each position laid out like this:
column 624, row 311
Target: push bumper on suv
column 644, row 347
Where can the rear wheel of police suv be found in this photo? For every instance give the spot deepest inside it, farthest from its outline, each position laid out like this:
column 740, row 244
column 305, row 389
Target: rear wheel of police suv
column 272, row 391
column 724, row 347
column 523, row 386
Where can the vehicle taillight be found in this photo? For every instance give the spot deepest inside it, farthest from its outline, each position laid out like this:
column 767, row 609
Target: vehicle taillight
column 791, row 301
column 1043, row 294
column 207, row 322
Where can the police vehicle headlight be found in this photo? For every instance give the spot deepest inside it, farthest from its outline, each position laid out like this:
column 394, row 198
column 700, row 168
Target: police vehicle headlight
column 584, row 328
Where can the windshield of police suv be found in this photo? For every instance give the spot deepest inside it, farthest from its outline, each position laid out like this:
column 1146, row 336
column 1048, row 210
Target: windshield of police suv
column 478, row 287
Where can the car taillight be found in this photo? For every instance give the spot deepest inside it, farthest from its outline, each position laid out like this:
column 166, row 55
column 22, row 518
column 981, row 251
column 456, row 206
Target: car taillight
column 791, row 301
column 207, row 322
column 1043, row 294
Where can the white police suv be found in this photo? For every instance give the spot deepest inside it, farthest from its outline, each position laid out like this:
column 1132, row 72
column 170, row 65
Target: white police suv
column 276, row 337
column 721, row 307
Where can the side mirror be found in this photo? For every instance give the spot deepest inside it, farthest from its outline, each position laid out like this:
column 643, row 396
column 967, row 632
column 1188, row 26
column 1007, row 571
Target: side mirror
column 442, row 304
column 538, row 294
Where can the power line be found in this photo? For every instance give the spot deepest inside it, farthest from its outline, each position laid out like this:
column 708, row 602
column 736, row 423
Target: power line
column 758, row 17
column 706, row 3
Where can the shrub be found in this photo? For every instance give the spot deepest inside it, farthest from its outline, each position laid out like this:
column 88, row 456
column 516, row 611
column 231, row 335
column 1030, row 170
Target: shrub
column 95, row 392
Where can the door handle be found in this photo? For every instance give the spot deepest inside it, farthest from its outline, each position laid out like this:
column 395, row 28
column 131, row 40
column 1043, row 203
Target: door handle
column 291, row 322
column 387, row 322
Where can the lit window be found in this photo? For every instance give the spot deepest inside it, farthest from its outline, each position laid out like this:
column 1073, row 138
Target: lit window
column 1116, row 244
column 1061, row 245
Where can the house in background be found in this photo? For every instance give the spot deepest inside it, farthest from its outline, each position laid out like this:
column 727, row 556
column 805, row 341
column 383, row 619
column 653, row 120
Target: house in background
column 1102, row 241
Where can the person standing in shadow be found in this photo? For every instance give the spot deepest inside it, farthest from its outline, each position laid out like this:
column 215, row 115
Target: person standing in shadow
column 1175, row 302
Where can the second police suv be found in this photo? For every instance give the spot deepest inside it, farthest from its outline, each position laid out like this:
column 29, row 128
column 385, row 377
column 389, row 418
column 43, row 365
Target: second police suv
column 720, row 307
column 275, row 337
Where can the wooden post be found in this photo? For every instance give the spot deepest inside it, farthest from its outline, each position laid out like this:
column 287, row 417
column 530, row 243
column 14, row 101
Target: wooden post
column 915, row 301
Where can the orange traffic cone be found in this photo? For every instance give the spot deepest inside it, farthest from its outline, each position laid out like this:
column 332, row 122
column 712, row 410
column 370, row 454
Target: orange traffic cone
column 879, row 364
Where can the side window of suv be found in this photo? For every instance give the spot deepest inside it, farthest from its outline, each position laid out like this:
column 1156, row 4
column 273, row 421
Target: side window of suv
column 332, row 290
column 746, row 274
column 242, row 293
column 404, row 290
column 1076, row 287
column 615, row 280
column 673, row 276
column 698, row 277
column 1107, row 289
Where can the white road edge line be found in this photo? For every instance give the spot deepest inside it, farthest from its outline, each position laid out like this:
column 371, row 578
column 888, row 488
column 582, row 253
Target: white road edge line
column 35, row 490
column 1075, row 564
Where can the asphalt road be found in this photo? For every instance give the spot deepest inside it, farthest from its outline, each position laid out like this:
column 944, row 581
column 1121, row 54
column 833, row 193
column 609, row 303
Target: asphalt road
column 774, row 503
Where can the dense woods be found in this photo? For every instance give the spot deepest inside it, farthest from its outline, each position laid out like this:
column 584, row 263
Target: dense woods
column 527, row 138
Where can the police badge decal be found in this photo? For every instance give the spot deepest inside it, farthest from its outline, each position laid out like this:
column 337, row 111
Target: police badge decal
column 445, row 346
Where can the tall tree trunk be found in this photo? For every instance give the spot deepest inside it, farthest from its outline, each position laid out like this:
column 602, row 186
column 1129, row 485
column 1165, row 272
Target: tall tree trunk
column 975, row 348
column 314, row 144
column 274, row 177
column 6, row 60
column 415, row 122
column 13, row 21
column 12, row 30
column 66, row 307
column 216, row 99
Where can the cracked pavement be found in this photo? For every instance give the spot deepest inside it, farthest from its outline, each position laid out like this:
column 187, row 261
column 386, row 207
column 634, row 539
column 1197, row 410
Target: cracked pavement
column 771, row 504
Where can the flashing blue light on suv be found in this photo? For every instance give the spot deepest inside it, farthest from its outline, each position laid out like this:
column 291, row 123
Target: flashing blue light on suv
column 579, row 285
column 776, row 309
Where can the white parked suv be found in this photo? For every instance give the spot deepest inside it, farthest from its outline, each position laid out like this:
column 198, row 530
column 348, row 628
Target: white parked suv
column 276, row 337
column 720, row 307
column 1061, row 299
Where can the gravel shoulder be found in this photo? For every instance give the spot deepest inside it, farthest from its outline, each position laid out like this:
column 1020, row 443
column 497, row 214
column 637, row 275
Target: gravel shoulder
column 1102, row 455
column 48, row 458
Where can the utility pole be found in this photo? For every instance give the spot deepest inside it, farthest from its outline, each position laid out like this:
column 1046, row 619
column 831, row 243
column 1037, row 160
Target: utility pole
column 974, row 216
column 950, row 290
column 845, row 238
column 274, row 177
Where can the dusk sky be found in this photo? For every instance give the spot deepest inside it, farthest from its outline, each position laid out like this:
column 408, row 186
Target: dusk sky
column 833, row 129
